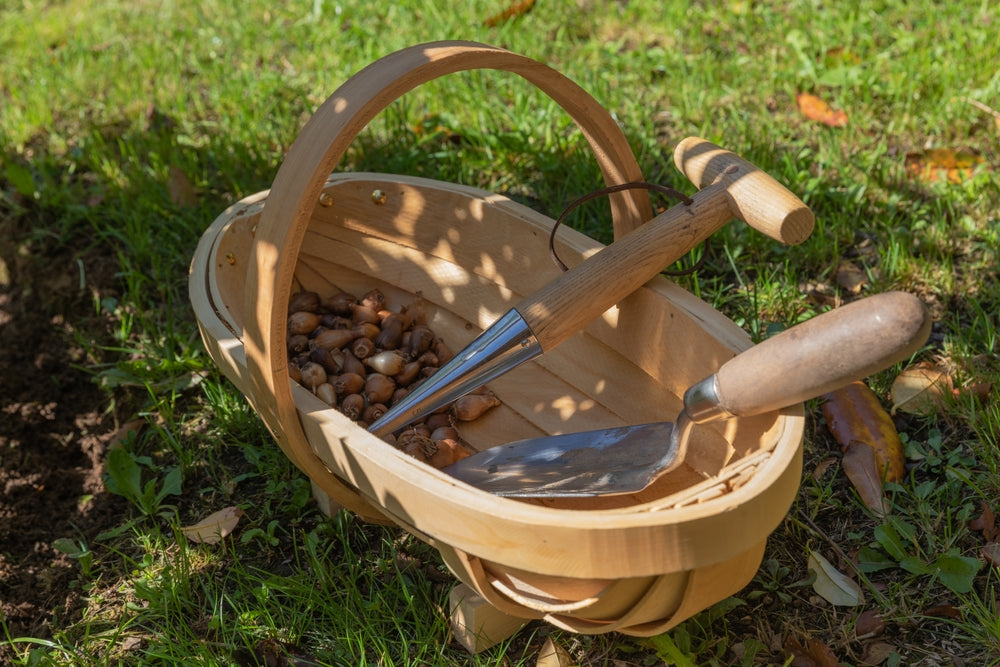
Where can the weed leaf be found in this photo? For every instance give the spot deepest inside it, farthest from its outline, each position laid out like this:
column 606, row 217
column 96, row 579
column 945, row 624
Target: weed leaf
column 873, row 560
column 832, row 585
column 957, row 572
column 124, row 476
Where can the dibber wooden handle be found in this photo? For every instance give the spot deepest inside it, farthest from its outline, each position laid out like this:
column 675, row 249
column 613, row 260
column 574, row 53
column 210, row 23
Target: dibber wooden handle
column 757, row 198
column 580, row 295
column 823, row 354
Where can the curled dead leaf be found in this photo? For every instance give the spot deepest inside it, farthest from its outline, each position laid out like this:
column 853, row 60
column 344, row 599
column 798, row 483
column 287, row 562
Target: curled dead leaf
column 921, row 389
column 815, row 108
column 861, row 468
column 851, row 277
column 213, row 528
column 853, row 413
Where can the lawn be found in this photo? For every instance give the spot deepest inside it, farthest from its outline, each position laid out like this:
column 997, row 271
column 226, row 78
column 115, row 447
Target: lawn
column 127, row 127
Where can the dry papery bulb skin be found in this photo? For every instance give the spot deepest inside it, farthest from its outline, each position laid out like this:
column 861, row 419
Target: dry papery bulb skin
column 360, row 355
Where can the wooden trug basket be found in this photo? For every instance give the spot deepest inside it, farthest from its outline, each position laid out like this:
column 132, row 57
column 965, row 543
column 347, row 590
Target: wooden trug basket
column 636, row 564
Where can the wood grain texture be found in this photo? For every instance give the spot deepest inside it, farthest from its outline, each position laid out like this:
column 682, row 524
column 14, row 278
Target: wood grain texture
column 824, row 353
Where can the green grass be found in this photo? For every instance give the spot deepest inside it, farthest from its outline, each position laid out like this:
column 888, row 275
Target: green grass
column 101, row 102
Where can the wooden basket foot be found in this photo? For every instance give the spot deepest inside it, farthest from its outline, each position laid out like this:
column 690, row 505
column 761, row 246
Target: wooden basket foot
column 478, row 625
column 325, row 503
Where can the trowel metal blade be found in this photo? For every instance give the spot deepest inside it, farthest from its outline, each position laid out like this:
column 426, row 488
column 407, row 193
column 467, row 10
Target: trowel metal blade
column 591, row 463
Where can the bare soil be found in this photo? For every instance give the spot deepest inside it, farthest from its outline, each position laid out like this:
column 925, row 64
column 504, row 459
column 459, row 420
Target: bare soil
column 54, row 424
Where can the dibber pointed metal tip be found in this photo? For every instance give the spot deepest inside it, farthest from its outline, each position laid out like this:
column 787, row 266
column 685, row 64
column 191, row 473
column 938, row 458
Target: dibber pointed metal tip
column 508, row 343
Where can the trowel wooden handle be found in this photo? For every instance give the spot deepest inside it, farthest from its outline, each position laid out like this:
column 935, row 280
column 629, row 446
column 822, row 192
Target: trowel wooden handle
column 823, row 354
column 729, row 187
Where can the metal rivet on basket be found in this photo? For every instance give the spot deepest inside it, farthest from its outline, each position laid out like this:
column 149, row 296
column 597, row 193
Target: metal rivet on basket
column 326, row 199
column 378, row 197
column 231, row 258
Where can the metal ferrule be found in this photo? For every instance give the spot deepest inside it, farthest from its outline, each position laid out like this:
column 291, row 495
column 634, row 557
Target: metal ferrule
column 701, row 401
column 509, row 342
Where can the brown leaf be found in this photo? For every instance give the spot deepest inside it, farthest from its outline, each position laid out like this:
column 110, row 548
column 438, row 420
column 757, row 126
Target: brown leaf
column 985, row 523
column 869, row 624
column 822, row 467
column 876, row 653
column 942, row 164
column 861, row 468
column 991, row 553
column 181, row 190
column 851, row 277
column 944, row 611
column 920, row 389
column 854, row 414
column 816, row 109
column 513, row 11
column 214, row 527
column 817, row 654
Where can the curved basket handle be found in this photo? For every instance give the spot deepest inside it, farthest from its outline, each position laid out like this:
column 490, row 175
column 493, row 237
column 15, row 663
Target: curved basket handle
column 316, row 153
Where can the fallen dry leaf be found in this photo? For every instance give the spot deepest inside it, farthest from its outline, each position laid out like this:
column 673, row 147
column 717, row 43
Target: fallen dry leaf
column 817, row 654
column 876, row 653
column 822, row 467
column 854, row 414
column 991, row 553
column 814, row 108
column 832, row 585
column 214, row 527
column 851, row 277
column 942, row 164
column 513, row 11
column 986, row 523
column 944, row 611
column 921, row 389
column 861, row 468
column 869, row 624
column 553, row 655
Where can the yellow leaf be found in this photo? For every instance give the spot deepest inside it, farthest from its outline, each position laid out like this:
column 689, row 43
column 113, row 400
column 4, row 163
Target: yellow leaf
column 854, row 414
column 942, row 164
column 920, row 389
column 214, row 527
